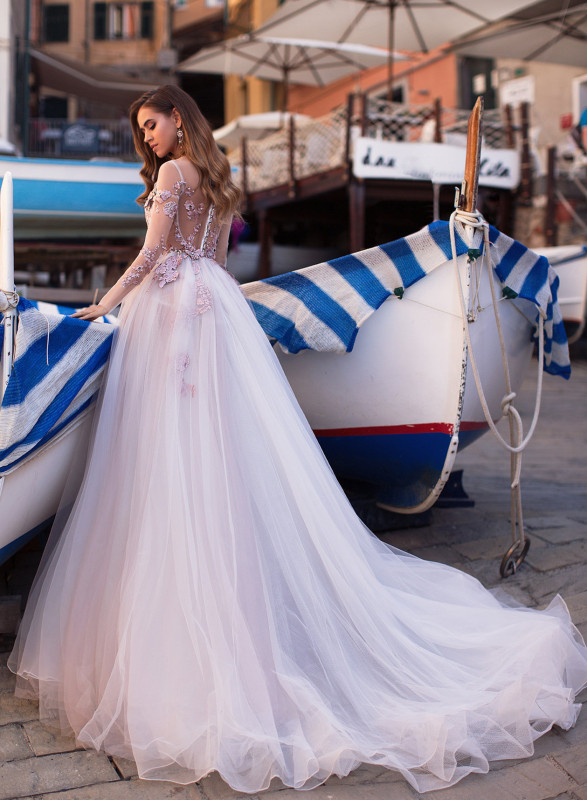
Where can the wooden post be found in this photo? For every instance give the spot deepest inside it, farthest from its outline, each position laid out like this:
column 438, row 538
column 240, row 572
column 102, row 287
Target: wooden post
column 468, row 197
column 550, row 226
column 350, row 107
column 526, row 188
column 437, row 120
column 356, row 215
column 244, row 167
column 265, row 245
column 363, row 114
column 292, row 157
column 509, row 127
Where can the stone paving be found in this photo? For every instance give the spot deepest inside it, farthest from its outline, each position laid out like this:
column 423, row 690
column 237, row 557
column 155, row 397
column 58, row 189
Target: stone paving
column 36, row 764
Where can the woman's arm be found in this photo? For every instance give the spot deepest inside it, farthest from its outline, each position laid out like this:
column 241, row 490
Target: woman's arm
column 163, row 212
column 222, row 246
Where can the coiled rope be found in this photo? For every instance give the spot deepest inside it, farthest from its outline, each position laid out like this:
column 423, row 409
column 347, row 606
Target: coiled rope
column 517, row 442
column 10, row 300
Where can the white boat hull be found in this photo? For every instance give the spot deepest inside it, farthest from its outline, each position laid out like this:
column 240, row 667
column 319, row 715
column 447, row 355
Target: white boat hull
column 392, row 412
column 31, row 491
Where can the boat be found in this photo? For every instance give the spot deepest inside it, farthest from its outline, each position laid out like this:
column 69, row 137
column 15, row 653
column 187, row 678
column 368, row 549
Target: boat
column 405, row 353
column 51, row 371
column 395, row 355
column 74, row 198
column 393, row 397
column 570, row 264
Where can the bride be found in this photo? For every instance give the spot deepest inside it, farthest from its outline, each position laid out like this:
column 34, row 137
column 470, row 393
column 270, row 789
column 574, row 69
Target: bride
column 210, row 601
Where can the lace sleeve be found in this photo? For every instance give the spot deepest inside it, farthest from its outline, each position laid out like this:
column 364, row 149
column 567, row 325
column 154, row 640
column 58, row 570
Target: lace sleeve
column 161, row 210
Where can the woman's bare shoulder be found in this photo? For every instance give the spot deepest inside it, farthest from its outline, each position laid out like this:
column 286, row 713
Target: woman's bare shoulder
column 189, row 170
column 168, row 175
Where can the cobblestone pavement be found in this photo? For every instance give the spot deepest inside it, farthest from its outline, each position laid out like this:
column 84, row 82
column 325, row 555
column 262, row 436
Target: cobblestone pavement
column 36, row 764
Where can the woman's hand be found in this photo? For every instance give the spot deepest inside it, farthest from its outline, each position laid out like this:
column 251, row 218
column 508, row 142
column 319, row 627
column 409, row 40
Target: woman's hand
column 90, row 312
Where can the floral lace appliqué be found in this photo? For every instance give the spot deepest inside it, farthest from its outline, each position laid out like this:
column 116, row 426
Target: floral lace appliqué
column 203, row 297
column 167, row 271
column 193, row 211
column 169, row 208
column 149, row 256
column 181, row 364
column 203, row 293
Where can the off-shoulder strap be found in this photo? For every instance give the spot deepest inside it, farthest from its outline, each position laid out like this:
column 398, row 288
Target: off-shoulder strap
column 176, row 165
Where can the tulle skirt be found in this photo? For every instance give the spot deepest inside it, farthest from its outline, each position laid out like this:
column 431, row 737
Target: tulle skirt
column 210, row 601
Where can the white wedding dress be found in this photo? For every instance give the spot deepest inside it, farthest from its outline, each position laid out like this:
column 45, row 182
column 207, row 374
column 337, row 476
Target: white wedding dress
column 212, row 602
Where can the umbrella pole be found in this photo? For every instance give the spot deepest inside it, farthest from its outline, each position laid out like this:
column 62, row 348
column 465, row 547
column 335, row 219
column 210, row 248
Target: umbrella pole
column 285, row 90
column 390, row 38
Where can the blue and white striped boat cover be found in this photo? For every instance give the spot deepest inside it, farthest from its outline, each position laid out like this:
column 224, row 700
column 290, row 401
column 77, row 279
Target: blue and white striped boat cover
column 322, row 307
column 41, row 399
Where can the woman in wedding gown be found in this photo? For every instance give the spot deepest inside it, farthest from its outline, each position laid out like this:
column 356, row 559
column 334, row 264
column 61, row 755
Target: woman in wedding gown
column 210, row 601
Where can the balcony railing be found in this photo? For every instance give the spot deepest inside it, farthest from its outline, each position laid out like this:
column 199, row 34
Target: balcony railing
column 59, row 138
column 309, row 147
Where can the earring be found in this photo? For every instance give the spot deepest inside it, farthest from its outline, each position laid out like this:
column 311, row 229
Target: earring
column 180, row 138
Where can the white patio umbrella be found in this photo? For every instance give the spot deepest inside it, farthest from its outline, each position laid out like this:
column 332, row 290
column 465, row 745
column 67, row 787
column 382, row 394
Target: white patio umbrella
column 254, row 126
column 542, row 32
column 415, row 25
column 275, row 58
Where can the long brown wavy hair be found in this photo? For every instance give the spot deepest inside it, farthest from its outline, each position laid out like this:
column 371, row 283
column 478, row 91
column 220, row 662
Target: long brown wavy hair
column 198, row 145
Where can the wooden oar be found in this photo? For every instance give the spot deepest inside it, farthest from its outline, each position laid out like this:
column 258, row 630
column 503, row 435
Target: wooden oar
column 468, row 196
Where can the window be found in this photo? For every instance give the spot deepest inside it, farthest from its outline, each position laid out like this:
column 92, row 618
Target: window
column 147, row 20
column 52, row 107
column 56, row 23
column 123, row 20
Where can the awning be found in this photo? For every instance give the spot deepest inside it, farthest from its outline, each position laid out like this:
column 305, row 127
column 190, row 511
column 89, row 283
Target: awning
column 99, row 84
column 548, row 31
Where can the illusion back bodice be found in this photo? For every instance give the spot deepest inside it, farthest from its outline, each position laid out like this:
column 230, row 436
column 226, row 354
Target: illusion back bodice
column 194, row 228
column 180, row 223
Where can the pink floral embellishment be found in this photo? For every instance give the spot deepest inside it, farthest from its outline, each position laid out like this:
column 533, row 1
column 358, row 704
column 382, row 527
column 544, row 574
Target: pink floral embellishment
column 170, row 208
column 203, row 298
column 167, row 272
column 149, row 255
column 181, row 364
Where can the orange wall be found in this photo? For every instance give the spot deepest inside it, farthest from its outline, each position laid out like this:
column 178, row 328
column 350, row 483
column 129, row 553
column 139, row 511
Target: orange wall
column 424, row 78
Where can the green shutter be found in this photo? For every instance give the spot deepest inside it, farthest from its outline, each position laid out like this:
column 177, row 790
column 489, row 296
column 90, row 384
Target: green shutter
column 56, row 23
column 147, row 20
column 99, row 21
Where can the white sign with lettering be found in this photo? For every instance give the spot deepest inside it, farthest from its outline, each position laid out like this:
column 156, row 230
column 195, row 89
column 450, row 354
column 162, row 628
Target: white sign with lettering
column 438, row 163
column 516, row 91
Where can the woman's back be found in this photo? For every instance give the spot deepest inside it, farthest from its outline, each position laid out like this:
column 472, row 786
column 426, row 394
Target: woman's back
column 194, row 228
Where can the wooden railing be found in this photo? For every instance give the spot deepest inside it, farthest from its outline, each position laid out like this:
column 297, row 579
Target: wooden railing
column 304, row 149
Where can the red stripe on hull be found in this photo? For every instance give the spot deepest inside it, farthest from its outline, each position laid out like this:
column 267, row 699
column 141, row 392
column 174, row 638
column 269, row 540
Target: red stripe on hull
column 394, row 430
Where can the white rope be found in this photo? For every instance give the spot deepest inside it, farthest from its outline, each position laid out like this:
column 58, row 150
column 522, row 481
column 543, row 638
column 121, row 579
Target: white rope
column 8, row 300
column 518, row 442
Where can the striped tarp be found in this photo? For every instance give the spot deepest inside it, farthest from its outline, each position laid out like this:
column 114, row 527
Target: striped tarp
column 322, row 307
column 41, row 399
